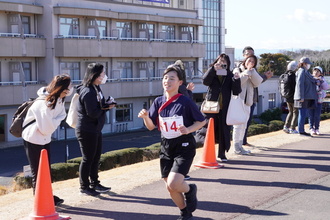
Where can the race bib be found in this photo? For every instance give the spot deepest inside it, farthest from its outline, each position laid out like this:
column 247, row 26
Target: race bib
column 169, row 126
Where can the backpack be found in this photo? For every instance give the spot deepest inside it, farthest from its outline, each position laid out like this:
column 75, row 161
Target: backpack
column 16, row 127
column 286, row 84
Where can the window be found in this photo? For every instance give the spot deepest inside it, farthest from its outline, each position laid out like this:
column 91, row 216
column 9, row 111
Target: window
column 26, row 66
column 97, row 28
column 187, row 33
column 19, row 70
column 69, row 26
column 124, row 112
column 19, row 24
column 271, row 100
column 146, row 69
column 125, row 29
column 169, row 31
column 73, row 69
column 126, row 70
column 190, row 69
column 26, row 24
column 146, row 31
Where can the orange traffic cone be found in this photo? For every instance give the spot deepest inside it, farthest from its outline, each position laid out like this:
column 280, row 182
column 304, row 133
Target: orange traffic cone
column 208, row 156
column 44, row 207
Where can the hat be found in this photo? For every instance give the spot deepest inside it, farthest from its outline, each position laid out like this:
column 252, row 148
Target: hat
column 305, row 60
column 292, row 65
column 319, row 68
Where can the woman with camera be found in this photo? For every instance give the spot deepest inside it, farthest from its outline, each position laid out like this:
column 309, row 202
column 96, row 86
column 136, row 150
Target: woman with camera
column 91, row 118
column 221, row 84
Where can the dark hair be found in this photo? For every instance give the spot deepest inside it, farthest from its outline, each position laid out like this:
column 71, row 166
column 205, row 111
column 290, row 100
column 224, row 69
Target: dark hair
column 56, row 87
column 93, row 71
column 247, row 48
column 180, row 64
column 175, row 68
column 251, row 56
column 222, row 56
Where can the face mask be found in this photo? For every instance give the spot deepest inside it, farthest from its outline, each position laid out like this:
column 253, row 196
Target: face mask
column 70, row 91
column 104, row 80
column 308, row 66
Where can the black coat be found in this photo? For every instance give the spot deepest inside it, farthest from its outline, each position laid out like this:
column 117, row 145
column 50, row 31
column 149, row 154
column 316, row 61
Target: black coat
column 228, row 86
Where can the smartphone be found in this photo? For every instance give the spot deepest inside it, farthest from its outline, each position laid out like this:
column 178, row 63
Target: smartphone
column 222, row 72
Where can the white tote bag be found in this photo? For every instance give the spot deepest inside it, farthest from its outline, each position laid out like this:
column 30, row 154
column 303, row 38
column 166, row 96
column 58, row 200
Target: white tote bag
column 72, row 117
column 238, row 113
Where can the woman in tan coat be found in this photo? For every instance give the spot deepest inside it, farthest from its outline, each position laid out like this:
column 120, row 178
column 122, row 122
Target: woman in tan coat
column 250, row 79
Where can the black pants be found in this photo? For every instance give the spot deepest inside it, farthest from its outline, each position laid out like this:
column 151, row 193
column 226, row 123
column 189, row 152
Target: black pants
column 33, row 152
column 91, row 148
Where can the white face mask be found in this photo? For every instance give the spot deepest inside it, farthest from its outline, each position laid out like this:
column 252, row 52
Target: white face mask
column 308, row 66
column 104, row 80
column 70, row 91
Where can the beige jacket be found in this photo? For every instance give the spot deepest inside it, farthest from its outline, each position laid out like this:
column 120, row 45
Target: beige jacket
column 250, row 79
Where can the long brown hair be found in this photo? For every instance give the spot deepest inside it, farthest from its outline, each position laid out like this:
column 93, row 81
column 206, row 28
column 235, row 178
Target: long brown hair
column 56, row 87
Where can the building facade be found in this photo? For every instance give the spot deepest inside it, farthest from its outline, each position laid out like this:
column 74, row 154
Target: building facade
column 135, row 40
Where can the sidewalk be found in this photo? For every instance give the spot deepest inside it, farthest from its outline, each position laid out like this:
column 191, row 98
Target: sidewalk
column 287, row 177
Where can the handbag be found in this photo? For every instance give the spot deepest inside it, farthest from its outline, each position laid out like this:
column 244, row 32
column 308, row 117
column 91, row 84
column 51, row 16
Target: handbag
column 238, row 113
column 210, row 107
column 72, row 117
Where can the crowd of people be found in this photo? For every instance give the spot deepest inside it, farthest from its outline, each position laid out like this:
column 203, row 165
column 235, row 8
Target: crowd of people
column 181, row 123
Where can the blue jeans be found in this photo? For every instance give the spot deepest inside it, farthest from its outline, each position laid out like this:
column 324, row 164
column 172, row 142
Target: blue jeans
column 301, row 119
column 315, row 116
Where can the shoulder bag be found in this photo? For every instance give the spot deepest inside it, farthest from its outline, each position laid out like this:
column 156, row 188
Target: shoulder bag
column 238, row 113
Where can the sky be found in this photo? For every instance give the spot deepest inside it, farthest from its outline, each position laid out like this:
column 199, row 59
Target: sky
column 268, row 25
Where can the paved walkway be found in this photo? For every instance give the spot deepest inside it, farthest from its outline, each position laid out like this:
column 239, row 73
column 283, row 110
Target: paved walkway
column 286, row 177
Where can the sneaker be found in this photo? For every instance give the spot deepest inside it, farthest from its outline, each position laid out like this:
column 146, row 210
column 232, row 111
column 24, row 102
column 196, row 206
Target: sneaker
column 312, row 131
column 58, row 201
column 304, row 133
column 242, row 152
column 187, row 177
column 286, row 130
column 317, row 132
column 89, row 192
column 224, row 159
column 292, row 131
column 101, row 189
column 247, row 144
column 191, row 198
column 186, row 216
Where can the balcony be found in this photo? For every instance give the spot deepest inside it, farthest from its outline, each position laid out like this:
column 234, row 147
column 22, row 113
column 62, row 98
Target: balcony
column 90, row 46
column 17, row 45
column 16, row 94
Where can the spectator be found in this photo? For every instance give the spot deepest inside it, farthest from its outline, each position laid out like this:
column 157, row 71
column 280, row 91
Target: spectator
column 315, row 113
column 250, row 79
column 91, row 118
column 48, row 112
column 220, row 87
column 247, row 51
column 305, row 96
column 292, row 117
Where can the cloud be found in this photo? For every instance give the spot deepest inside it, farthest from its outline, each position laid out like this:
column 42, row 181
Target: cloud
column 302, row 15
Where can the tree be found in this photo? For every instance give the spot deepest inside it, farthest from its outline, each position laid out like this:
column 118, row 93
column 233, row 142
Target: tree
column 276, row 62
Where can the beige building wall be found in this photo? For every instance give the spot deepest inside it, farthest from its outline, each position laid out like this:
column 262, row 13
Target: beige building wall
column 34, row 49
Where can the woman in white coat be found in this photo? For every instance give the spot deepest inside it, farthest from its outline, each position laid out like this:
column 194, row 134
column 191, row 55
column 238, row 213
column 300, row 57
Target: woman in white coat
column 250, row 79
column 47, row 113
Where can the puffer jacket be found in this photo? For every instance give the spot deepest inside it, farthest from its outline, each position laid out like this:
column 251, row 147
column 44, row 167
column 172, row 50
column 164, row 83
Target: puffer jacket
column 47, row 120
